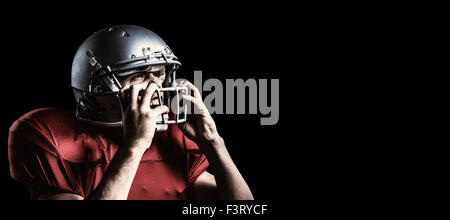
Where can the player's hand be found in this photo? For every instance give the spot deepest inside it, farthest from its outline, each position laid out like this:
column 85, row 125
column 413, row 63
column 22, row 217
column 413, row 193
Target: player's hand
column 199, row 126
column 139, row 120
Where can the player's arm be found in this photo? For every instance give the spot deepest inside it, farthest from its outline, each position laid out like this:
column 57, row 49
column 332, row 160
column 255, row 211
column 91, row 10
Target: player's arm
column 139, row 128
column 204, row 188
column 116, row 182
column 60, row 196
column 227, row 183
column 227, row 180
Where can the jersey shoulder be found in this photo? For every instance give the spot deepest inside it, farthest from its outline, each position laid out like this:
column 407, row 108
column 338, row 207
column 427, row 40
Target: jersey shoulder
column 46, row 116
column 58, row 132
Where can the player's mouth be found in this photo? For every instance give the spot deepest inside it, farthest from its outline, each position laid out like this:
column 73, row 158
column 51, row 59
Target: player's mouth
column 155, row 101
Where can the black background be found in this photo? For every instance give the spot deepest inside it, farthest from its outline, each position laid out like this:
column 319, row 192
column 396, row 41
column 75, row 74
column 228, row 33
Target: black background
column 225, row 42
column 336, row 64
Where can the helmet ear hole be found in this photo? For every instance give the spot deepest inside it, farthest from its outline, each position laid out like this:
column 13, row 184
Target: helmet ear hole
column 101, row 110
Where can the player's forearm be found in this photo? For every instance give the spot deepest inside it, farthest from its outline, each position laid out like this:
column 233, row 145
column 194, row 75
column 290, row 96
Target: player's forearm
column 230, row 183
column 117, row 180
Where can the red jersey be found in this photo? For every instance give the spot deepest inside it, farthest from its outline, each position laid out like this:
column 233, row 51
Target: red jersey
column 50, row 151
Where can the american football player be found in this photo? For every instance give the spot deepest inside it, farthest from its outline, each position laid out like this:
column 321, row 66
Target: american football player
column 125, row 139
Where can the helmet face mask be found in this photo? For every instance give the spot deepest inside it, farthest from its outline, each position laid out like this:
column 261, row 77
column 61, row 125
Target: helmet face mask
column 114, row 53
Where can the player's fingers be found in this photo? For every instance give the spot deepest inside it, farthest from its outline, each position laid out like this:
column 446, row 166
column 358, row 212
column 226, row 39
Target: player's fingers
column 134, row 94
column 194, row 91
column 160, row 110
column 189, row 99
column 124, row 94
